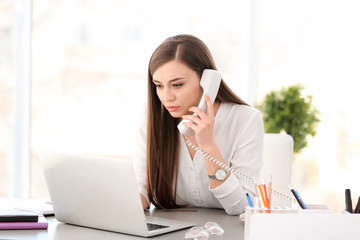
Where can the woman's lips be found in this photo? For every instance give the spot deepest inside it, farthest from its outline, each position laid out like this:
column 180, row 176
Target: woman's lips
column 172, row 108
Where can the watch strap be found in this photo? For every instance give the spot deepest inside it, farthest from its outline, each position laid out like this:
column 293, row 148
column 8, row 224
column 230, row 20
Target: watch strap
column 212, row 177
column 222, row 178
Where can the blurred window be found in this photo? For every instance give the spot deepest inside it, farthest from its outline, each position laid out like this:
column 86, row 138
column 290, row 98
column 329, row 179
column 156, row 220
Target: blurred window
column 7, row 76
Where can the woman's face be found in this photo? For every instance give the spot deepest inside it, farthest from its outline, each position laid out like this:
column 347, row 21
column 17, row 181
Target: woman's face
column 178, row 87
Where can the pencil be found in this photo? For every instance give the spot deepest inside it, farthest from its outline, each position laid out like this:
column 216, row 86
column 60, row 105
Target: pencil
column 249, row 200
column 298, row 198
column 266, row 196
column 262, row 195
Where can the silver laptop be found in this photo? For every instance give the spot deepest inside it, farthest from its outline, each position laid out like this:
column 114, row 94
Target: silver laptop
column 100, row 192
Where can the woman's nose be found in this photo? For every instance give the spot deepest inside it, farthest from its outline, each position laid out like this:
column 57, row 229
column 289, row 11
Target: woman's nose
column 168, row 95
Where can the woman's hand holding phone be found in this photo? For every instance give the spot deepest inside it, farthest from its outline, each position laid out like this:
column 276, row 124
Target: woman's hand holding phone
column 202, row 125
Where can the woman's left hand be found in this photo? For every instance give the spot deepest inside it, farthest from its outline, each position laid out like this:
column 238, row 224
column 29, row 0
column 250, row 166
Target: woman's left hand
column 202, row 124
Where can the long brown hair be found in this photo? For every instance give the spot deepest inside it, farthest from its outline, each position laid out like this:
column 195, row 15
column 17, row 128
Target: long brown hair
column 163, row 139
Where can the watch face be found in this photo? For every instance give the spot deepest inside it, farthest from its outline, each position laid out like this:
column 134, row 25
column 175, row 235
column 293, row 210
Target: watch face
column 220, row 174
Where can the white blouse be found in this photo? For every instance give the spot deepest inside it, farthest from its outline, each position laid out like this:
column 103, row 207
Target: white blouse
column 238, row 133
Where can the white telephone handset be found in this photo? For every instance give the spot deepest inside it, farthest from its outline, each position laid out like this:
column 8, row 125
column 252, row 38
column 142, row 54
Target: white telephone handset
column 210, row 82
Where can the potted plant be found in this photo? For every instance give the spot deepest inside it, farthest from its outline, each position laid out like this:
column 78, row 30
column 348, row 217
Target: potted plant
column 287, row 110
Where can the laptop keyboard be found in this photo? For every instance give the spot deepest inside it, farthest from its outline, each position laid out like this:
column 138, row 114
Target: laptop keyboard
column 152, row 226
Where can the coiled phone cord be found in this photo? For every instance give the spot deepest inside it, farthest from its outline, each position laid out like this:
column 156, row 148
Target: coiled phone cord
column 239, row 175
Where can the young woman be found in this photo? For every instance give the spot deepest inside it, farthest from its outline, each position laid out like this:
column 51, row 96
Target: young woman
column 170, row 173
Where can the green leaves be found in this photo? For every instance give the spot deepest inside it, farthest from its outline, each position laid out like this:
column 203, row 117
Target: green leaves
column 288, row 110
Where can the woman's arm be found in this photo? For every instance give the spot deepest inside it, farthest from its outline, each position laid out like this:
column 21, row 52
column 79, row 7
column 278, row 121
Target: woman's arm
column 139, row 158
column 247, row 159
column 144, row 202
column 203, row 126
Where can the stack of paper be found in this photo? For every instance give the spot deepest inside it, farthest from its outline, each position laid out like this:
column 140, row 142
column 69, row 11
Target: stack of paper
column 16, row 219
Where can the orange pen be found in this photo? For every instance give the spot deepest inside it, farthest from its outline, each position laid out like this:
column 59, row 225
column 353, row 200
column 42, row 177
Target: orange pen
column 262, row 195
column 266, row 198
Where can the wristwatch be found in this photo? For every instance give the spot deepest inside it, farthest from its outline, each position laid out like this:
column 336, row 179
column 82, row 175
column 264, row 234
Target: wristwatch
column 220, row 175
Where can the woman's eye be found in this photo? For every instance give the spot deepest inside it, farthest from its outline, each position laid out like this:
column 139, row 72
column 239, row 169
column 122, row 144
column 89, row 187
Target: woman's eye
column 177, row 85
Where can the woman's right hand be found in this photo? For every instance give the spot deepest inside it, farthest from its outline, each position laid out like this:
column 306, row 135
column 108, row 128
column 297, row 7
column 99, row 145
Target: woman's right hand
column 144, row 202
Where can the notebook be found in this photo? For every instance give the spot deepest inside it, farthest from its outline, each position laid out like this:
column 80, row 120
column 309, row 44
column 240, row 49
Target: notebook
column 13, row 215
column 41, row 223
column 100, row 192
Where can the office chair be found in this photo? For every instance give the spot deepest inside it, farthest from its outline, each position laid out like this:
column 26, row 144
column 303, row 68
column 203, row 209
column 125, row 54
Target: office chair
column 278, row 157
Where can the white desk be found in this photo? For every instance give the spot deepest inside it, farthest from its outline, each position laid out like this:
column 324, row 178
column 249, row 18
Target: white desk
column 234, row 228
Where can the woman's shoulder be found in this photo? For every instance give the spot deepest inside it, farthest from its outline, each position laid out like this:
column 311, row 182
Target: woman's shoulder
column 239, row 109
column 236, row 119
column 232, row 114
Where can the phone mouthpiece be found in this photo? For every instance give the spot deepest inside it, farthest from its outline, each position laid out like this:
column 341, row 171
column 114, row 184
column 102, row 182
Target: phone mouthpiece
column 185, row 130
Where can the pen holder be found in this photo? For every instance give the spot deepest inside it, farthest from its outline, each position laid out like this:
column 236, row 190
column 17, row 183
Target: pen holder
column 317, row 208
column 274, row 209
column 345, row 212
column 301, row 224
